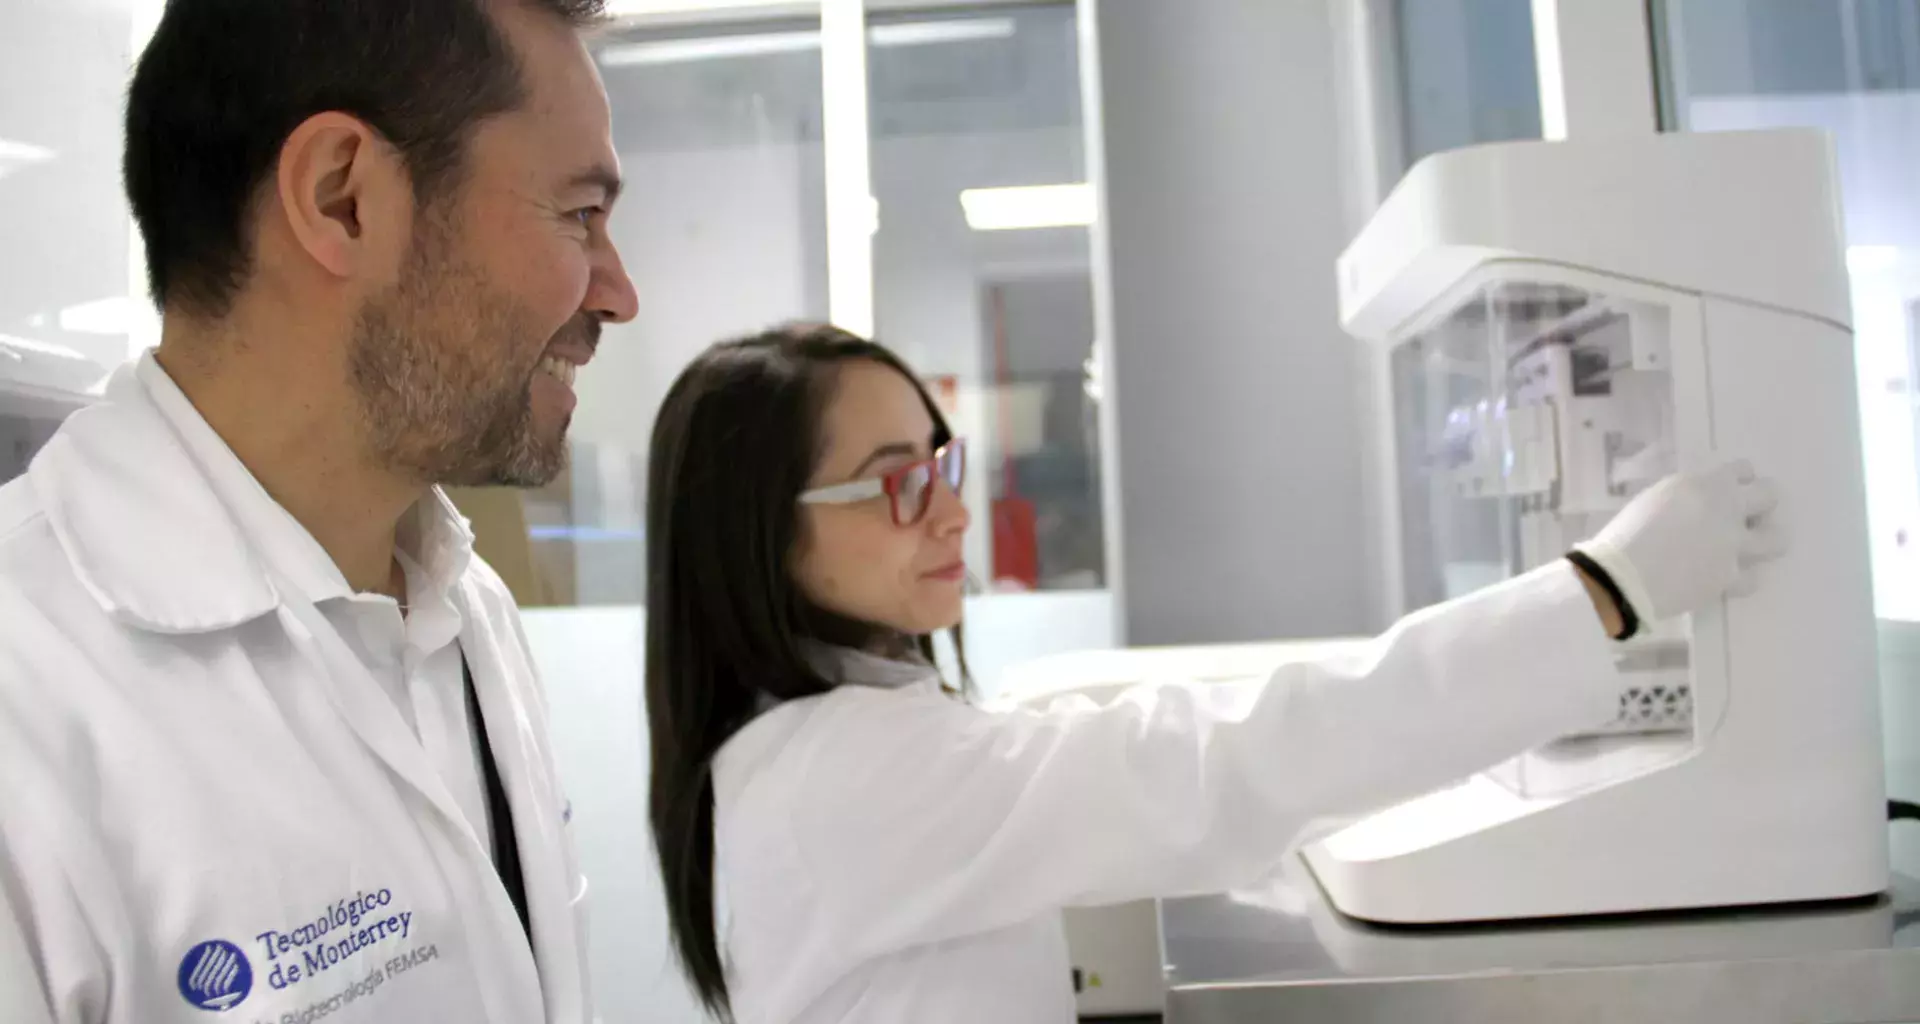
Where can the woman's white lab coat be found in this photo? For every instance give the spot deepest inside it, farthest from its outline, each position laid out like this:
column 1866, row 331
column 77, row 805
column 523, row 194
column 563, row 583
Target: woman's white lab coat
column 886, row 853
column 207, row 804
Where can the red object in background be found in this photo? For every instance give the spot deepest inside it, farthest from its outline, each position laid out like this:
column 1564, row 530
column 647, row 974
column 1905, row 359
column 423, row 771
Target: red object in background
column 1016, row 551
column 1016, row 541
column 946, row 393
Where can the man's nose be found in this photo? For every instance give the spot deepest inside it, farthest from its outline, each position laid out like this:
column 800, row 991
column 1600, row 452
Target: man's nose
column 611, row 296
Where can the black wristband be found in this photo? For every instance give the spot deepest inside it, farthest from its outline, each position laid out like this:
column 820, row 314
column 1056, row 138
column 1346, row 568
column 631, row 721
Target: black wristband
column 1629, row 619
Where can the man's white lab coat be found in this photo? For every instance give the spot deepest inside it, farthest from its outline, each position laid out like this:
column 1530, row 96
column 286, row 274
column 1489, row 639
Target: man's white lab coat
column 210, row 809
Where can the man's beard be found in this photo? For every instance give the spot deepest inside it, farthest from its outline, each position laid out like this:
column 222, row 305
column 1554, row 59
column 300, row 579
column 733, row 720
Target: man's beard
column 443, row 370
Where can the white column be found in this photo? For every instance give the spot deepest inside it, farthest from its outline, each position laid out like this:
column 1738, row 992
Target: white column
column 1596, row 68
column 851, row 211
column 1373, row 155
column 1100, row 265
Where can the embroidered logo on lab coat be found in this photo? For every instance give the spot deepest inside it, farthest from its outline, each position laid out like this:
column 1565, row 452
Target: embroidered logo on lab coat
column 215, row 976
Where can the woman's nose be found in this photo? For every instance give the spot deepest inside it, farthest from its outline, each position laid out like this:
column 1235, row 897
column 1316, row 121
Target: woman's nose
column 948, row 514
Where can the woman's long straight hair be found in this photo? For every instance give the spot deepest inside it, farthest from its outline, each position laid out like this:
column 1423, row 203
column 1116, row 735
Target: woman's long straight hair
column 734, row 446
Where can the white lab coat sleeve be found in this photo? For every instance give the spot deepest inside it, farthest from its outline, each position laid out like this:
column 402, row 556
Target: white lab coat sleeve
column 23, row 997
column 918, row 818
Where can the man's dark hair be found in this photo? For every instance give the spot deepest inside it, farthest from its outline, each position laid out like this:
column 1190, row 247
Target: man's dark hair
column 224, row 82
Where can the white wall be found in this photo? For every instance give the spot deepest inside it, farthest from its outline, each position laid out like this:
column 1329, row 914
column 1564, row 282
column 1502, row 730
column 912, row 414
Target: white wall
column 1004, row 630
column 592, row 661
column 715, row 241
column 64, row 223
column 720, row 242
column 1467, row 72
column 1237, row 392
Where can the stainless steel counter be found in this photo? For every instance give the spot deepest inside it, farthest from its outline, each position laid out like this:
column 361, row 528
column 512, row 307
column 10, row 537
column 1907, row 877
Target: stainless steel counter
column 1283, row 954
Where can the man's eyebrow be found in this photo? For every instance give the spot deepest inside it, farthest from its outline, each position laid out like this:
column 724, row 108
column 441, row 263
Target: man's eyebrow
column 604, row 178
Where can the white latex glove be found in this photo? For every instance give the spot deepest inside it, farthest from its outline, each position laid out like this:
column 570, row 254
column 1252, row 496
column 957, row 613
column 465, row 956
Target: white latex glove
column 1690, row 539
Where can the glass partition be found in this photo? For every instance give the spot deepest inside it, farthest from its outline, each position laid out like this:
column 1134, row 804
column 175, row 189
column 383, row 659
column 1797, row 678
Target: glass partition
column 723, row 228
column 1467, row 73
column 983, row 274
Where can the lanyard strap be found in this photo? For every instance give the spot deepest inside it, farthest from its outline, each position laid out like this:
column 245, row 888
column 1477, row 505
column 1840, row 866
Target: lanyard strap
column 506, row 851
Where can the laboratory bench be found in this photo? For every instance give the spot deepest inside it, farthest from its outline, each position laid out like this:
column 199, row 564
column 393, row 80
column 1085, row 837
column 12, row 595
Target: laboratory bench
column 1282, row 953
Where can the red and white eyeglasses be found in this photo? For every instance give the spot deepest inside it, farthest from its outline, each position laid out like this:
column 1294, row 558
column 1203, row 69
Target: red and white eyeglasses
column 908, row 489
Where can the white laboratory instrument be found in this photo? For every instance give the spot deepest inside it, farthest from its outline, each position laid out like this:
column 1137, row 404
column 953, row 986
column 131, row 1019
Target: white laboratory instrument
column 1361, row 950
column 1562, row 323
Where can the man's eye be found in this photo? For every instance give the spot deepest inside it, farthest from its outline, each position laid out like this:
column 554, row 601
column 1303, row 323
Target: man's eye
column 586, row 214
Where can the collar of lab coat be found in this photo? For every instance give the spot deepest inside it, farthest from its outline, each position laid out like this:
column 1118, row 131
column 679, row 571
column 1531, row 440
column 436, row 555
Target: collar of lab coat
column 167, row 529
column 845, row 666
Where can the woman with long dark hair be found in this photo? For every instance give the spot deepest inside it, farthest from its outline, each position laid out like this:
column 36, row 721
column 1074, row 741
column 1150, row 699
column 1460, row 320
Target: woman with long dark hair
column 843, row 838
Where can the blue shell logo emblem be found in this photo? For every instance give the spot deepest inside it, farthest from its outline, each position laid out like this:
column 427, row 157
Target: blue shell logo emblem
column 215, row 976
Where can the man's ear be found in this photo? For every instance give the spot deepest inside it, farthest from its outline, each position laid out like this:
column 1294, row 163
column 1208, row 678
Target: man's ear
column 343, row 192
